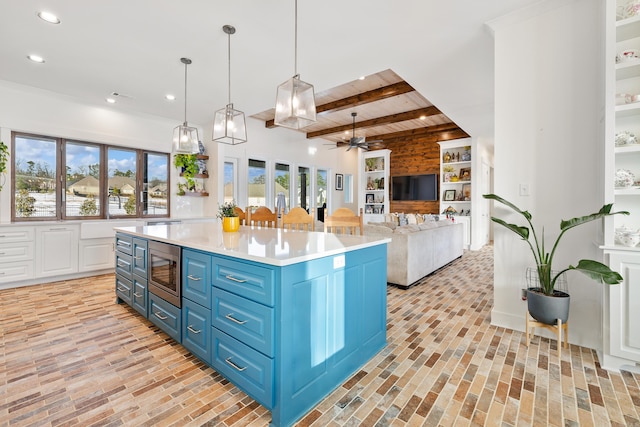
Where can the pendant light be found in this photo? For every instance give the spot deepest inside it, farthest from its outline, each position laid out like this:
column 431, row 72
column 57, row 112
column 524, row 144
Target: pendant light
column 295, row 100
column 229, row 126
column 185, row 137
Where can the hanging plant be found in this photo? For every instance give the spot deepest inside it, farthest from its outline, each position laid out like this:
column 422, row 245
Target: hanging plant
column 188, row 163
column 4, row 157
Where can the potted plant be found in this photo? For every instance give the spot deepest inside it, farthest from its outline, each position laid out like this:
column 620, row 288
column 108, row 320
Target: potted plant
column 4, row 156
column 188, row 163
column 545, row 303
column 227, row 213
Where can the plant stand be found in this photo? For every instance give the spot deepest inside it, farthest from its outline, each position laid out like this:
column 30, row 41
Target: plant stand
column 557, row 329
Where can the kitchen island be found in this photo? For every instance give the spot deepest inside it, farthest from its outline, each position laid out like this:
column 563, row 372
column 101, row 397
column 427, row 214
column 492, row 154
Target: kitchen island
column 287, row 316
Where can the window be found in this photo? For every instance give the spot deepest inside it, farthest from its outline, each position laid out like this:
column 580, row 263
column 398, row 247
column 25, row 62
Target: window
column 96, row 180
column 82, row 165
column 35, row 192
column 257, row 190
column 230, row 188
column 321, row 187
column 282, row 179
column 304, row 187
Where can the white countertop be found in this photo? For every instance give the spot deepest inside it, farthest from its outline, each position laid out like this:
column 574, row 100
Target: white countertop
column 273, row 246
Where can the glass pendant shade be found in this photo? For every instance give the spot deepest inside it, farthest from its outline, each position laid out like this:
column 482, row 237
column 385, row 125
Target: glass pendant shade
column 295, row 104
column 185, row 139
column 229, row 126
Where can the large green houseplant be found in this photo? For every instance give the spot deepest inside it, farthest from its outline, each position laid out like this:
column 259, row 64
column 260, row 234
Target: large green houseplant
column 547, row 276
column 188, row 164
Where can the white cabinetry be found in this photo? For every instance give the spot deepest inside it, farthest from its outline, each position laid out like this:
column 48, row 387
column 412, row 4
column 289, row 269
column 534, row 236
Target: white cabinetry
column 16, row 254
column 96, row 254
column 57, row 250
column 622, row 307
column 455, row 183
column 374, row 184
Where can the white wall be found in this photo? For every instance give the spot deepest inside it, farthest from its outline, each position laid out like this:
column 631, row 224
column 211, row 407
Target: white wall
column 32, row 110
column 549, row 100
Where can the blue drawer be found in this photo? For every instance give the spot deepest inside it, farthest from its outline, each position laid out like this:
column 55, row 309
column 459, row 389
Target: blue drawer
column 196, row 329
column 124, row 288
column 248, row 369
column 245, row 320
column 124, row 266
column 196, row 277
column 165, row 315
column 244, row 279
column 124, row 243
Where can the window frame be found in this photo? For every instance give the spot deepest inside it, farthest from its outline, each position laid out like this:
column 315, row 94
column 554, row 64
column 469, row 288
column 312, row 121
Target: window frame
column 61, row 180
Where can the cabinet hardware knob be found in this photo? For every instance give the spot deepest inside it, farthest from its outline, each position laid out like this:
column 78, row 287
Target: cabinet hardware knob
column 234, row 320
column 195, row 279
column 195, row 331
column 230, row 277
column 159, row 316
column 233, row 365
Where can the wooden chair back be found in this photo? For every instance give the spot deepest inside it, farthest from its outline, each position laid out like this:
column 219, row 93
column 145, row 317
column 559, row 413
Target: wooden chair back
column 343, row 221
column 241, row 215
column 262, row 217
column 297, row 219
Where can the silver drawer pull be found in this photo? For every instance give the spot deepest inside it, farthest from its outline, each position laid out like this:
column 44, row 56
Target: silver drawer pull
column 139, row 257
column 122, row 290
column 160, row 317
column 123, row 243
column 122, row 264
column 195, row 331
column 195, row 279
column 234, row 320
column 230, row 277
column 137, row 295
column 233, row 365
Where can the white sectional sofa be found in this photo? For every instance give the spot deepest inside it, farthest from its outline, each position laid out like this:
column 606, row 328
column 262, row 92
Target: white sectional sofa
column 417, row 250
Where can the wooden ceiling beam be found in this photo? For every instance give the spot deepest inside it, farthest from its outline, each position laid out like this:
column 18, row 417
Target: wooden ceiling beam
column 393, row 118
column 373, row 95
column 417, row 132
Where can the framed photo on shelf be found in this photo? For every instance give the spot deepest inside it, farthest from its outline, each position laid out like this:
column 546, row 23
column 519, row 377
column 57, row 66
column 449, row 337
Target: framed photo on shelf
column 449, row 195
column 466, row 192
column 370, row 198
column 465, row 174
column 339, row 178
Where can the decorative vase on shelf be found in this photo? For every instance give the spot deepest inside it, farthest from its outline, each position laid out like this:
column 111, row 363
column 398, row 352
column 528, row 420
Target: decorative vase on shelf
column 230, row 223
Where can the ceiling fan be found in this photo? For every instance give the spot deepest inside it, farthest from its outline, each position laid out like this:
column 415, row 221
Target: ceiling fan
column 358, row 142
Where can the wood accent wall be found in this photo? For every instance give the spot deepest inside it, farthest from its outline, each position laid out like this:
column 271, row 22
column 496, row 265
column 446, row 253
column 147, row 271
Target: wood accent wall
column 420, row 155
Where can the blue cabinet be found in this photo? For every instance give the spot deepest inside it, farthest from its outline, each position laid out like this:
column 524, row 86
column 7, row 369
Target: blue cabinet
column 196, row 329
column 165, row 316
column 139, row 254
column 196, row 277
column 124, row 289
column 131, row 272
column 139, row 296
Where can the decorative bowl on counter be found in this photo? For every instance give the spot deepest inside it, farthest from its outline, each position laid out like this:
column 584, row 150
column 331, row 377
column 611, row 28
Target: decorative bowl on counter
column 624, row 178
column 625, row 138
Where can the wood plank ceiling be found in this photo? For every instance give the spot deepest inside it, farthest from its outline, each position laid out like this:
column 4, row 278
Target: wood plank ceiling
column 387, row 108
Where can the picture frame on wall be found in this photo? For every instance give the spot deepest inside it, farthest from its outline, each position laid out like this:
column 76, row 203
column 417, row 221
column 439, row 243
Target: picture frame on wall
column 449, row 195
column 339, row 183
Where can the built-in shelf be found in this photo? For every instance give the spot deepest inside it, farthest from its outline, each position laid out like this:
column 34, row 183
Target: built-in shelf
column 196, row 194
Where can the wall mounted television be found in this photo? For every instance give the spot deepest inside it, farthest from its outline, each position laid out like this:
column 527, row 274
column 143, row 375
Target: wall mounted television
column 415, row 187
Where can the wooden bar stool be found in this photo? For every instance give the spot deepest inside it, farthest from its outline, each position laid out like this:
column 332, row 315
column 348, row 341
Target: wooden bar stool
column 531, row 323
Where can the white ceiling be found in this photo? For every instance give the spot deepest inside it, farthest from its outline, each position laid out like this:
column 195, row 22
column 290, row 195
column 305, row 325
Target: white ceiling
column 133, row 47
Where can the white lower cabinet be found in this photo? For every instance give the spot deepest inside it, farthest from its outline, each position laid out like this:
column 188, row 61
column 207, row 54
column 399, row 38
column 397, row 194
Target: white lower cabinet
column 622, row 320
column 96, row 254
column 466, row 235
column 16, row 254
column 56, row 250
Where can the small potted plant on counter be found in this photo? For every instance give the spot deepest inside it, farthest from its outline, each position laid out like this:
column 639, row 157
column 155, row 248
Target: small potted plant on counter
column 230, row 219
column 545, row 303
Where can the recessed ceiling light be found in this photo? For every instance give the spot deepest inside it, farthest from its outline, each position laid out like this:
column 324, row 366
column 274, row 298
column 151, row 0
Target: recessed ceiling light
column 36, row 58
column 423, row 117
column 49, row 17
column 170, row 97
column 110, row 100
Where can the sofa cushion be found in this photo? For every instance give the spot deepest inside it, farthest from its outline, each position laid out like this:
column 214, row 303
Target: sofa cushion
column 377, row 228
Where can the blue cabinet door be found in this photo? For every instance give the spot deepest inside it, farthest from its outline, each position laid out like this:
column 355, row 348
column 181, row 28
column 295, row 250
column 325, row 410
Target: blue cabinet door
column 196, row 329
column 166, row 316
column 139, row 296
column 124, row 288
column 139, row 253
column 196, row 277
